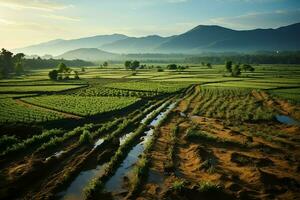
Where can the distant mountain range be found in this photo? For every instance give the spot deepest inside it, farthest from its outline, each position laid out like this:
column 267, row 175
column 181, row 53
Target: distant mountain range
column 199, row 39
column 59, row 46
column 90, row 54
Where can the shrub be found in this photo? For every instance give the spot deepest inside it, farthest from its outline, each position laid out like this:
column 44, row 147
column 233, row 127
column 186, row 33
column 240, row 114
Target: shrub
column 207, row 186
column 85, row 138
column 178, row 185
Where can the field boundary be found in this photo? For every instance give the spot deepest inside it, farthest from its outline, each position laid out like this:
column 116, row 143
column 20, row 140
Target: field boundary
column 27, row 104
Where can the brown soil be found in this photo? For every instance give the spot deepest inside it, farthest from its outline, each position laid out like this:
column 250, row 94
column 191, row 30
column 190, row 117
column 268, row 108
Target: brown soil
column 257, row 168
column 243, row 165
column 282, row 106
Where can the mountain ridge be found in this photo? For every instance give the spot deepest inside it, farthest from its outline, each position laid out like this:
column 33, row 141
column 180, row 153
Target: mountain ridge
column 201, row 38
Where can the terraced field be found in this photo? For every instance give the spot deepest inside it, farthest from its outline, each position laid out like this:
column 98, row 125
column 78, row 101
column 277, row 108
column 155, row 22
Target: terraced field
column 195, row 134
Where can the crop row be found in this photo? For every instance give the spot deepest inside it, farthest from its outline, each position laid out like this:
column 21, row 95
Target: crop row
column 26, row 89
column 83, row 106
column 93, row 189
column 97, row 91
column 164, row 87
column 235, row 105
column 13, row 112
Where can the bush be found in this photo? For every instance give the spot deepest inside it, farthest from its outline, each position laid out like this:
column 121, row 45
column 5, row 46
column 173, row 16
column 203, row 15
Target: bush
column 206, row 186
column 178, row 185
column 85, row 138
column 6, row 141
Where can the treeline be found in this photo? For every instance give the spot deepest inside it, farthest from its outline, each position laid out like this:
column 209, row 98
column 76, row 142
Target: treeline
column 16, row 64
column 10, row 63
column 276, row 58
column 38, row 63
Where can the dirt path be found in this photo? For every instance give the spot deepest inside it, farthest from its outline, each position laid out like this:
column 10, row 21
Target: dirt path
column 29, row 105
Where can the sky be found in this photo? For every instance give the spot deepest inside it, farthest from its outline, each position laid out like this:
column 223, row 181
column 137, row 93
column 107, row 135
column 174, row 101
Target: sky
column 27, row 22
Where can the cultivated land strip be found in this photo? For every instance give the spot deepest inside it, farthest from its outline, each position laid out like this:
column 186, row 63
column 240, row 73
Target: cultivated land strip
column 29, row 105
column 245, row 164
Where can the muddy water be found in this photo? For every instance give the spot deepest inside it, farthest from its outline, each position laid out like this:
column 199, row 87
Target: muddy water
column 115, row 183
column 75, row 190
column 151, row 113
column 287, row 120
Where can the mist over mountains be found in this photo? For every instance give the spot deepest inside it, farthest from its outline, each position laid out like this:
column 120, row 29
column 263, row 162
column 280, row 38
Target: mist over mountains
column 200, row 39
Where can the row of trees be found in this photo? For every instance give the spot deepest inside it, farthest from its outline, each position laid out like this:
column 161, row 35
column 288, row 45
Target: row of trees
column 10, row 63
column 236, row 70
column 176, row 67
column 259, row 58
column 16, row 64
column 63, row 73
column 133, row 65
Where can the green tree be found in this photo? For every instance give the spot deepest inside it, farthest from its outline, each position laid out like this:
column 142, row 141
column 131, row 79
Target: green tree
column 134, row 65
column 228, row 66
column 172, row 66
column 76, row 76
column 53, row 75
column 6, row 62
column 18, row 62
column 105, row 64
column 236, row 71
column 127, row 64
column 247, row 67
column 209, row 65
column 19, row 68
column 181, row 68
column 62, row 68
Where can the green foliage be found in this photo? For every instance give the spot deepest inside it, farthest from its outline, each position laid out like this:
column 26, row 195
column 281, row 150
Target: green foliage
column 7, row 141
column 85, row 138
column 10, row 63
column 84, row 106
column 13, row 112
column 32, row 143
column 166, row 87
column 178, row 185
column 122, row 152
column 53, row 74
column 92, row 188
column 209, row 65
column 236, row 71
column 172, row 66
column 133, row 65
column 228, row 66
column 247, row 67
column 234, row 105
column 206, row 186
column 127, row 64
column 105, row 64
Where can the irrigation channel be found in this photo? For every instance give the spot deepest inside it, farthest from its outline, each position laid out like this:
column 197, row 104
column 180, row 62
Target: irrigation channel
column 287, row 120
column 75, row 191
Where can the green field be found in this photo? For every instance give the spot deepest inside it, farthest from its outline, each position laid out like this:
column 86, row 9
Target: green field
column 118, row 127
column 83, row 106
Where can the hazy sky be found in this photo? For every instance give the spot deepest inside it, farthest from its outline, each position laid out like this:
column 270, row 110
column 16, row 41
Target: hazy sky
column 26, row 22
